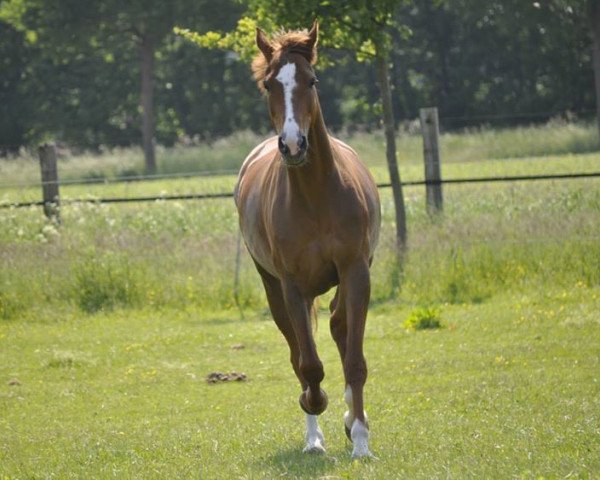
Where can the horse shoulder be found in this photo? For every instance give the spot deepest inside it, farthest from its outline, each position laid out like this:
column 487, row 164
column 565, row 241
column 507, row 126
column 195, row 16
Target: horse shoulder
column 345, row 147
column 258, row 157
column 353, row 171
column 250, row 199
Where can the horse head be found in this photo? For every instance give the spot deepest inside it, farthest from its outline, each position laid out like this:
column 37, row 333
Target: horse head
column 284, row 70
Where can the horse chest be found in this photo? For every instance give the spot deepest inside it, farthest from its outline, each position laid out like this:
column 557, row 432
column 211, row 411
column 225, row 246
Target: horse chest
column 310, row 262
column 309, row 248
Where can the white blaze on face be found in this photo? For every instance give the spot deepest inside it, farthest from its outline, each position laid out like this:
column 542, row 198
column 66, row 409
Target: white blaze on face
column 291, row 130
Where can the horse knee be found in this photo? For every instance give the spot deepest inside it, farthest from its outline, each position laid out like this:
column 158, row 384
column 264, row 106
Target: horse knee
column 313, row 399
column 312, row 371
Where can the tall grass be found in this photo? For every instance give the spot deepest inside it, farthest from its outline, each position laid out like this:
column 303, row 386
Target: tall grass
column 172, row 254
column 491, row 238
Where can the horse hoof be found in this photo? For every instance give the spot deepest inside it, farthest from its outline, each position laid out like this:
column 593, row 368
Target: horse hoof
column 314, row 409
column 360, row 440
column 364, row 456
column 316, row 449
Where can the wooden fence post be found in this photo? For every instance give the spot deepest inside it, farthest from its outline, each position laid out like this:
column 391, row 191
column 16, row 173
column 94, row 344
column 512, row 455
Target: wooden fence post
column 51, row 198
column 431, row 153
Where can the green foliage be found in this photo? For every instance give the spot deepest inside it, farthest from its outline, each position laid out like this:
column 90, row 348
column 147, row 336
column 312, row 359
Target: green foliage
column 88, row 58
column 423, row 318
column 449, row 38
column 12, row 12
column 358, row 26
column 241, row 40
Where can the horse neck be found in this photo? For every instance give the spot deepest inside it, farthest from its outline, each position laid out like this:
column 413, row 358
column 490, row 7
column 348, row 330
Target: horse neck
column 320, row 163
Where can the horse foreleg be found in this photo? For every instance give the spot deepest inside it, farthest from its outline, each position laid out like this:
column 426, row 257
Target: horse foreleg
column 353, row 304
column 313, row 400
column 315, row 443
column 282, row 320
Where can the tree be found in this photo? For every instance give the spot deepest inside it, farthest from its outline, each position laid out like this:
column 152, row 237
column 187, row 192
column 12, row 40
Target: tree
column 72, row 70
column 15, row 109
column 453, row 60
column 69, row 31
column 594, row 21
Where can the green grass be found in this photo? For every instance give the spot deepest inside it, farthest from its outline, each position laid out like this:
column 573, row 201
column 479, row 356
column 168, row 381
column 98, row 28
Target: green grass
column 509, row 389
column 110, row 321
column 491, row 239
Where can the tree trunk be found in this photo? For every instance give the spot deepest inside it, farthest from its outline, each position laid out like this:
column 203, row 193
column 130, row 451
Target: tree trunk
column 390, row 150
column 594, row 15
column 147, row 101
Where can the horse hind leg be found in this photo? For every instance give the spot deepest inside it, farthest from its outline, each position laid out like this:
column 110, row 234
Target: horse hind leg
column 339, row 332
column 357, row 430
column 349, row 311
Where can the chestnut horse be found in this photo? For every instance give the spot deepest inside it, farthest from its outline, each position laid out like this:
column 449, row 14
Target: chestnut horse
column 310, row 215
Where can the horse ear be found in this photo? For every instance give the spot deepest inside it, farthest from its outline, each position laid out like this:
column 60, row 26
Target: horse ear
column 313, row 35
column 263, row 44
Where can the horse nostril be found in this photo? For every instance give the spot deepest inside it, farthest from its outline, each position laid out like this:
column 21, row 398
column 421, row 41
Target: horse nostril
column 303, row 143
column 283, row 148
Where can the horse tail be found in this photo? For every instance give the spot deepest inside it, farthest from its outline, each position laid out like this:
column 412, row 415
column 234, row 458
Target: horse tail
column 314, row 308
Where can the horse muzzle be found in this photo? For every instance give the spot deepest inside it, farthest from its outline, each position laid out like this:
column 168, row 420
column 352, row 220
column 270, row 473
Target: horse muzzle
column 293, row 152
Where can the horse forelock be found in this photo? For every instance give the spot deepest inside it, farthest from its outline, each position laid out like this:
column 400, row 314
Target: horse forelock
column 284, row 43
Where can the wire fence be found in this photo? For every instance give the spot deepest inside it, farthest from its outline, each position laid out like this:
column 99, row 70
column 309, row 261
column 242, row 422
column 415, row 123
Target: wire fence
column 209, row 196
column 121, row 179
column 52, row 182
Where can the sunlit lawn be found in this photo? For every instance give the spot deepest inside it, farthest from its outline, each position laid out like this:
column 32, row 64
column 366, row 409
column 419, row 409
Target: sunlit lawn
column 507, row 389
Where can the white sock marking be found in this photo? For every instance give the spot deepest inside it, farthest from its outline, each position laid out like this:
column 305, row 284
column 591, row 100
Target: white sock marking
column 359, row 433
column 315, row 442
column 360, row 440
column 291, row 130
column 349, row 415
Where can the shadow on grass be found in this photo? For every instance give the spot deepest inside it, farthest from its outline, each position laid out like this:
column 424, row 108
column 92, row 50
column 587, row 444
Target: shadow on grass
column 293, row 462
column 197, row 319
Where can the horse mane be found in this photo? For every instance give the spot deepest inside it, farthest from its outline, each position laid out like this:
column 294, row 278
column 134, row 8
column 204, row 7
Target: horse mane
column 283, row 43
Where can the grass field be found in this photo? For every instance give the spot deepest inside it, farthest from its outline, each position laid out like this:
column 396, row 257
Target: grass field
column 110, row 322
column 508, row 389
